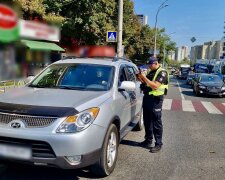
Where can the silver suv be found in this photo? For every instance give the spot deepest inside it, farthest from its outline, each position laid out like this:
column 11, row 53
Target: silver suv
column 73, row 114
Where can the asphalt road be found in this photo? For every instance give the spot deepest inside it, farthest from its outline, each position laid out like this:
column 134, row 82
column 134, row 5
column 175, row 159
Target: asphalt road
column 194, row 148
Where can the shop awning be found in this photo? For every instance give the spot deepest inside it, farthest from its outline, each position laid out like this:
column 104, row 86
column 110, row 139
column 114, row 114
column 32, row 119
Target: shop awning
column 43, row 46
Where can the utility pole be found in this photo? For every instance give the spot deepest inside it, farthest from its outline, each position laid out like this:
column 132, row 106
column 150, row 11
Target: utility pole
column 164, row 55
column 120, row 29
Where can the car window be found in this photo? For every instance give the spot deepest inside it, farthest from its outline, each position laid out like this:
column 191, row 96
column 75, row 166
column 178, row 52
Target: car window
column 223, row 69
column 122, row 75
column 131, row 74
column 76, row 76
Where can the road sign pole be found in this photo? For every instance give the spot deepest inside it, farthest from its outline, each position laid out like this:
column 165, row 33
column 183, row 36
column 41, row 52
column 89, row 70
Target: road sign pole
column 120, row 29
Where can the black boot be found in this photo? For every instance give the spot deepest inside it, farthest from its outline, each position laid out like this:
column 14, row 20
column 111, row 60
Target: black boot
column 156, row 149
column 146, row 143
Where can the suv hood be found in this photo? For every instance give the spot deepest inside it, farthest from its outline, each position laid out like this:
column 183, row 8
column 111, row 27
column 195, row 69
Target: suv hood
column 53, row 97
column 212, row 84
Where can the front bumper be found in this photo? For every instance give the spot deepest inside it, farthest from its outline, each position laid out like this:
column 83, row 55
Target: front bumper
column 86, row 144
column 216, row 92
column 60, row 162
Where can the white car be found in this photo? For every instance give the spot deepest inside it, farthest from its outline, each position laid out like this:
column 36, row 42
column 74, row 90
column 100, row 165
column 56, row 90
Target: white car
column 73, row 114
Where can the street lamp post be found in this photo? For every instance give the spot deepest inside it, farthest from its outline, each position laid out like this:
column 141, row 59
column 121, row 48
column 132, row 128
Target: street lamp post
column 164, row 49
column 163, row 5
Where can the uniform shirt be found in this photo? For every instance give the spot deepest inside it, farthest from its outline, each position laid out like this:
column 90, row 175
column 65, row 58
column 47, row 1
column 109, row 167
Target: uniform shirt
column 161, row 78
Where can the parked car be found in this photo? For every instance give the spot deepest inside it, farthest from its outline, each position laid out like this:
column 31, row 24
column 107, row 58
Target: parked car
column 209, row 84
column 72, row 115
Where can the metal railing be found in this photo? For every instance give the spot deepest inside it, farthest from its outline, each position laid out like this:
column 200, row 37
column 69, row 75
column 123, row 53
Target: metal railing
column 4, row 85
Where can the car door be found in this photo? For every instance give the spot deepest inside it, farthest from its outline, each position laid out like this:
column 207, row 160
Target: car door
column 123, row 99
column 135, row 96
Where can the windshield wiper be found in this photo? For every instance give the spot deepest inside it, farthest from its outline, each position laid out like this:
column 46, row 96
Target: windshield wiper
column 38, row 86
column 71, row 88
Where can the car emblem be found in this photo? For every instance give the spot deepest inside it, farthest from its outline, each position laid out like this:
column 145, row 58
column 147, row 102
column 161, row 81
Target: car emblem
column 16, row 124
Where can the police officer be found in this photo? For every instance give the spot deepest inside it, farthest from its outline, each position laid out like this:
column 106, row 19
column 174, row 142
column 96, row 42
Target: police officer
column 154, row 86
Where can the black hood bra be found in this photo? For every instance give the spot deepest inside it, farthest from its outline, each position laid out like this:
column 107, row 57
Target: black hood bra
column 47, row 111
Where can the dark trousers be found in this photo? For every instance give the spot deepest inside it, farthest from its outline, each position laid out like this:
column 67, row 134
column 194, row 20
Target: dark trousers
column 152, row 113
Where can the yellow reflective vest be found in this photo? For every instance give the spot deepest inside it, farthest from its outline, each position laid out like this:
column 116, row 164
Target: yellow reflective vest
column 161, row 89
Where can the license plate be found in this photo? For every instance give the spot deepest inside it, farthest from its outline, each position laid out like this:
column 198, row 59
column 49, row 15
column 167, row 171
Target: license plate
column 214, row 90
column 15, row 151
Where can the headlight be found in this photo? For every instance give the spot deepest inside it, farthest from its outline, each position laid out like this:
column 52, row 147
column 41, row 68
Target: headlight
column 202, row 87
column 78, row 122
column 223, row 88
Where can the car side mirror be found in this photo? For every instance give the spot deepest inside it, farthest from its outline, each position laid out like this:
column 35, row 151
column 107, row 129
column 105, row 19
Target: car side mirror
column 127, row 86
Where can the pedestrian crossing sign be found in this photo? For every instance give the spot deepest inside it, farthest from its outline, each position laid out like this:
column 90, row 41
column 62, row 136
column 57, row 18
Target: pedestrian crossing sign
column 111, row 36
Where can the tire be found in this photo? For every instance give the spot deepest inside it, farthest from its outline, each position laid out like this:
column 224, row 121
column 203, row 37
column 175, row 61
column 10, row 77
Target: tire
column 140, row 125
column 105, row 164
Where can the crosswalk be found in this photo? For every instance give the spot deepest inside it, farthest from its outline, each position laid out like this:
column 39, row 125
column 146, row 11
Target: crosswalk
column 194, row 106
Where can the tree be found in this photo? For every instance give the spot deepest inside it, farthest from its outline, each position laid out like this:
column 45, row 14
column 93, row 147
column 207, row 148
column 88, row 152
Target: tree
column 173, row 63
column 86, row 21
column 36, row 10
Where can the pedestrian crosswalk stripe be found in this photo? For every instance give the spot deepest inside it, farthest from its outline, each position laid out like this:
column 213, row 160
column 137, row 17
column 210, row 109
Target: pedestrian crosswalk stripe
column 188, row 106
column 167, row 104
column 194, row 106
column 211, row 108
column 219, row 106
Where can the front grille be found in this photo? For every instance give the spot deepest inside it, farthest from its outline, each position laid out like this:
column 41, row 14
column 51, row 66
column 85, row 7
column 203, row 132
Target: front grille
column 29, row 121
column 40, row 149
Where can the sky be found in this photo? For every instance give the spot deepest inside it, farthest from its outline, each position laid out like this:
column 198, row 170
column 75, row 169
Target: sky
column 202, row 19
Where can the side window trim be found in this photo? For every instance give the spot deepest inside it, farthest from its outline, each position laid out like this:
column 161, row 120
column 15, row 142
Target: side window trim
column 129, row 66
column 122, row 66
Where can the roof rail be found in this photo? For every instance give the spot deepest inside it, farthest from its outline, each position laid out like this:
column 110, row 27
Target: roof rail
column 69, row 57
column 123, row 58
column 100, row 57
column 114, row 59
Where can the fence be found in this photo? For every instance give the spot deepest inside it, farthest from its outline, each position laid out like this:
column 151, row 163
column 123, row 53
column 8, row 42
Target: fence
column 4, row 85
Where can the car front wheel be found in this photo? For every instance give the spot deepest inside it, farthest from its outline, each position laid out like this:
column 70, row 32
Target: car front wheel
column 107, row 161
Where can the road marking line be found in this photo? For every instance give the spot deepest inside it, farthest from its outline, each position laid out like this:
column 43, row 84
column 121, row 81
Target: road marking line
column 182, row 96
column 188, row 106
column 176, row 105
column 220, row 106
column 199, row 107
column 167, row 104
column 211, row 108
column 194, row 106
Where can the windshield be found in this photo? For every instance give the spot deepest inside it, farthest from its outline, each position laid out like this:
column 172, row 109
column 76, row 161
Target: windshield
column 75, row 76
column 209, row 78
